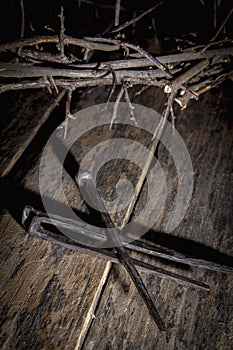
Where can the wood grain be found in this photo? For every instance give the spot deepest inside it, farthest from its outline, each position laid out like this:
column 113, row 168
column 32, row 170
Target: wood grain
column 194, row 320
column 49, row 294
column 35, row 301
column 20, row 122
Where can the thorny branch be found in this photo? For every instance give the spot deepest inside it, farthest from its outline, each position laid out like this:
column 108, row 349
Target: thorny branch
column 183, row 75
column 127, row 70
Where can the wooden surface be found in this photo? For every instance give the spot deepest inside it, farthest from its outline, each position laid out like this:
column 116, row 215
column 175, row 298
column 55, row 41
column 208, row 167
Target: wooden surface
column 49, row 294
column 194, row 320
column 17, row 131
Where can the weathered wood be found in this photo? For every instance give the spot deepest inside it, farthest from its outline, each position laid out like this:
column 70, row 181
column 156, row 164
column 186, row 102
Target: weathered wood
column 21, row 122
column 194, row 320
column 35, row 300
column 49, row 294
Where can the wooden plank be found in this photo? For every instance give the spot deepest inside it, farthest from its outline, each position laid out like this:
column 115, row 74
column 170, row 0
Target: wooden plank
column 48, row 305
column 33, row 297
column 20, row 122
column 194, row 319
column 39, row 310
column 134, row 174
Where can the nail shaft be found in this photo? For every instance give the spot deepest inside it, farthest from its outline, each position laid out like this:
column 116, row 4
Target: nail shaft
column 90, row 192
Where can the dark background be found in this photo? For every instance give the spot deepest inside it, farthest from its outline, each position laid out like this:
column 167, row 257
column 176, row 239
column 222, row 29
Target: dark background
column 193, row 21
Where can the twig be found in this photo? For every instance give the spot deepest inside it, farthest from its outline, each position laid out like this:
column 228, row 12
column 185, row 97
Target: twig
column 73, row 84
column 85, row 77
column 62, row 33
column 150, row 58
column 206, row 83
column 134, row 20
column 145, row 54
column 173, row 118
column 215, row 13
column 168, row 59
column 134, row 47
column 68, row 113
column 75, row 79
column 134, row 24
column 212, row 40
column 210, row 44
column 186, row 76
column 87, row 54
column 46, row 57
column 222, row 26
column 215, row 83
column 68, row 102
column 49, row 87
column 131, row 107
column 116, row 105
column 139, row 92
column 55, row 39
column 12, row 70
column 117, row 12
column 22, row 29
column 155, row 61
column 53, row 84
column 104, row 6
column 114, row 82
column 158, row 131
column 113, row 45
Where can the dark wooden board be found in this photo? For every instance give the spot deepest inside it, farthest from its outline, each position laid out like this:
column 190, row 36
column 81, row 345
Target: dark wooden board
column 21, row 118
column 194, row 319
column 35, row 303
column 38, row 309
column 49, row 294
